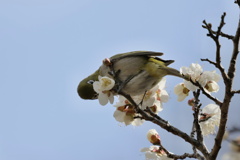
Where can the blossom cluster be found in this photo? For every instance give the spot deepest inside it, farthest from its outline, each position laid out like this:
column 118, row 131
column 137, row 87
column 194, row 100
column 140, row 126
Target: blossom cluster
column 207, row 79
column 125, row 111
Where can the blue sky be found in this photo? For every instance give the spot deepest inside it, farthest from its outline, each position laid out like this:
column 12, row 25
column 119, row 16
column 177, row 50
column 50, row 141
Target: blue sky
column 48, row 46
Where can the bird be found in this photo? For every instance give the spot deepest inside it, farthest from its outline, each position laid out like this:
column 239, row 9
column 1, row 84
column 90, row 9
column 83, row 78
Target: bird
column 138, row 72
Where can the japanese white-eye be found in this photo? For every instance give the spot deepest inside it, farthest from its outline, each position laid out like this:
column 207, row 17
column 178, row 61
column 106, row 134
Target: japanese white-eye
column 138, row 71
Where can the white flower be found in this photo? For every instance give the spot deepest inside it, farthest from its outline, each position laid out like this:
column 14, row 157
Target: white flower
column 125, row 113
column 153, row 136
column 212, row 86
column 154, row 97
column 209, row 80
column 190, row 86
column 181, row 91
column 209, row 119
column 194, row 71
column 103, row 87
column 154, row 153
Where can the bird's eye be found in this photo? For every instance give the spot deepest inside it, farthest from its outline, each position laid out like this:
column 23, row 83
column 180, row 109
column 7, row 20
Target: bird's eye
column 90, row 81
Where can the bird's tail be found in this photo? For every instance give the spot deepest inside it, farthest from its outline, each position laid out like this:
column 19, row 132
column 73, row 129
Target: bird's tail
column 174, row 72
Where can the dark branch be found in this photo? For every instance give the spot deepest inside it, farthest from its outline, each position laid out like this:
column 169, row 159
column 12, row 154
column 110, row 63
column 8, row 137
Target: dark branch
column 237, row 2
column 236, row 92
column 215, row 36
column 232, row 67
column 228, row 95
column 196, row 114
column 185, row 155
column 218, row 102
column 211, row 62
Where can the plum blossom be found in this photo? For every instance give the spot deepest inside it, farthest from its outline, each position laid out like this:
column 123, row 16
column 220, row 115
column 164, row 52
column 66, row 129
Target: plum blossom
column 209, row 118
column 181, row 91
column 194, row 71
column 154, row 153
column 154, row 97
column 103, row 87
column 153, row 136
column 207, row 79
column 125, row 113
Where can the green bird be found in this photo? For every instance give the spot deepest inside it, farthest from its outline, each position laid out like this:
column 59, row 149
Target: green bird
column 138, row 72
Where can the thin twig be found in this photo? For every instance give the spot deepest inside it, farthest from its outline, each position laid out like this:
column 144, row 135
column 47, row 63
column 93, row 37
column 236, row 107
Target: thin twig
column 218, row 102
column 211, row 62
column 215, row 36
column 185, row 155
column 236, row 92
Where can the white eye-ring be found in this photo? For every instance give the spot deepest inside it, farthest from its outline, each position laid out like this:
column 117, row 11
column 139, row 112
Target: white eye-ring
column 90, row 81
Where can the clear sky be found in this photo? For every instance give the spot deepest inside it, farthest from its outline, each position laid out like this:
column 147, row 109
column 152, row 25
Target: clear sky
column 48, row 46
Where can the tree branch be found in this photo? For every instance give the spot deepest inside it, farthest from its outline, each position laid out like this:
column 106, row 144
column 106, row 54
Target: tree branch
column 215, row 36
column 218, row 102
column 236, row 92
column 196, row 114
column 185, row 155
column 166, row 126
column 228, row 95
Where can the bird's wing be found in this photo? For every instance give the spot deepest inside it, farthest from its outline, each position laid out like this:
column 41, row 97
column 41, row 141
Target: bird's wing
column 135, row 53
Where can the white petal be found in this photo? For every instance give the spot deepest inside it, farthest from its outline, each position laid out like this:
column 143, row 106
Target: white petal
column 97, row 86
column 190, row 86
column 164, row 96
column 119, row 116
column 107, row 83
column 137, row 122
column 178, row 88
column 184, row 70
column 162, row 84
column 145, row 149
column 103, row 99
column 181, row 97
column 111, row 98
column 213, row 86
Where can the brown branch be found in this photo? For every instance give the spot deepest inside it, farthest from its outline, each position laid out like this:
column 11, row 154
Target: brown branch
column 148, row 110
column 185, row 155
column 237, row 2
column 236, row 92
column 215, row 36
column 228, row 95
column 218, row 102
column 230, row 37
column 211, row 62
column 166, row 126
column 232, row 67
column 196, row 114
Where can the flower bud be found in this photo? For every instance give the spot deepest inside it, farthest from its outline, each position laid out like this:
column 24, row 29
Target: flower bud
column 107, row 62
column 191, row 102
column 153, row 136
column 212, row 86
